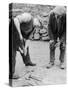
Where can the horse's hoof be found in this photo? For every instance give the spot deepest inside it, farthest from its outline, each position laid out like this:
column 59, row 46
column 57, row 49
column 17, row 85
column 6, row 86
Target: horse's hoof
column 14, row 77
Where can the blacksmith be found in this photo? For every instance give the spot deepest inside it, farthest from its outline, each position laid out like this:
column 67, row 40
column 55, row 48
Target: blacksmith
column 21, row 27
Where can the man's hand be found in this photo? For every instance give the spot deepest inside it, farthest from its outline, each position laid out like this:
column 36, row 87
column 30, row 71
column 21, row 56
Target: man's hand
column 51, row 41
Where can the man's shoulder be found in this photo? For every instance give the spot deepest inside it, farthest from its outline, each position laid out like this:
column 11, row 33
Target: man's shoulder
column 59, row 10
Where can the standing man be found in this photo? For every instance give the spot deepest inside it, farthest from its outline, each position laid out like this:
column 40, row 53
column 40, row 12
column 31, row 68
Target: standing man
column 57, row 29
column 21, row 28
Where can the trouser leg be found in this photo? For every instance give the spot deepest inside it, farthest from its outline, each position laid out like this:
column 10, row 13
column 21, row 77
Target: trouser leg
column 52, row 54
column 62, row 56
column 62, row 50
column 52, row 51
column 25, row 55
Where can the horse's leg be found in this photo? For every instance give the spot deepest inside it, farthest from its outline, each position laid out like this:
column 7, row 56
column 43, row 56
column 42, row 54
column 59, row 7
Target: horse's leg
column 14, row 76
column 12, row 64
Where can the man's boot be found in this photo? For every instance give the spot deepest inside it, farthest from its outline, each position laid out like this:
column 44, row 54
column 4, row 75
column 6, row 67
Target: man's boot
column 26, row 59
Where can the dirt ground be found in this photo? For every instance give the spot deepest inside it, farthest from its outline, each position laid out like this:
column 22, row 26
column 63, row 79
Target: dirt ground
column 39, row 74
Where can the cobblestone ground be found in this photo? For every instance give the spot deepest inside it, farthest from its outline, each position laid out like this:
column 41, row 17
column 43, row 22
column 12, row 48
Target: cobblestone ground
column 39, row 75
